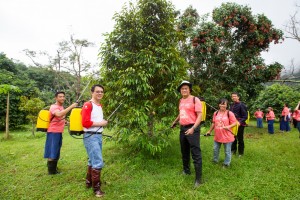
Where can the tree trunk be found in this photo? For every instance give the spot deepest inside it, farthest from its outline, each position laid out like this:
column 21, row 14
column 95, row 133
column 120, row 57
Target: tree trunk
column 33, row 128
column 7, row 118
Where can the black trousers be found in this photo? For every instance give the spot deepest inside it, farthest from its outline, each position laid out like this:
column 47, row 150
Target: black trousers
column 191, row 144
column 238, row 143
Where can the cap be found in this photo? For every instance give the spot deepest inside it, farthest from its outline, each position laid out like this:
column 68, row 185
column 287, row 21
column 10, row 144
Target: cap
column 184, row 83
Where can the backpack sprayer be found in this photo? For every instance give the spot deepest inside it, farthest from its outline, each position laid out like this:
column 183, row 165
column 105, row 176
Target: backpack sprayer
column 234, row 129
column 75, row 126
column 44, row 115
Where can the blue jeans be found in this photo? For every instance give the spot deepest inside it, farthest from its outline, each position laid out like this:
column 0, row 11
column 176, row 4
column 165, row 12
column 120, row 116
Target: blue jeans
column 93, row 146
column 298, row 126
column 227, row 150
column 259, row 123
column 271, row 126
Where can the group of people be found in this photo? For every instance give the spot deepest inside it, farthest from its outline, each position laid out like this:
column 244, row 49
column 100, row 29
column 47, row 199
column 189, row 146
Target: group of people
column 93, row 123
column 189, row 118
column 285, row 118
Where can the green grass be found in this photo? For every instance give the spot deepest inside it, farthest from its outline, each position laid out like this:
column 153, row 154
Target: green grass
column 270, row 169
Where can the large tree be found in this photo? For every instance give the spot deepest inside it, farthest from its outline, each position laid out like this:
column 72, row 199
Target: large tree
column 141, row 69
column 292, row 27
column 68, row 65
column 226, row 52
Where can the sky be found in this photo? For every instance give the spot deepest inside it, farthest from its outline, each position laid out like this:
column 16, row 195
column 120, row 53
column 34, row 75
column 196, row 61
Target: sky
column 39, row 25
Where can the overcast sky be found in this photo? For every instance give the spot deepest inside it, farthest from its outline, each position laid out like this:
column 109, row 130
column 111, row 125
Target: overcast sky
column 40, row 25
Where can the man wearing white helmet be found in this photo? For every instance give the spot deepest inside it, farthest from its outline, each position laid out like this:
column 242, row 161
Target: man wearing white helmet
column 189, row 118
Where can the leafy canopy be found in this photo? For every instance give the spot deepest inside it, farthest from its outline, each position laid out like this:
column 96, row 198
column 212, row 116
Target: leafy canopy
column 225, row 52
column 142, row 68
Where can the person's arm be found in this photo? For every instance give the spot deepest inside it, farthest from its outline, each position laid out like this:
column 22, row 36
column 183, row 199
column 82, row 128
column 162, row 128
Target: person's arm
column 65, row 111
column 197, row 123
column 208, row 133
column 86, row 117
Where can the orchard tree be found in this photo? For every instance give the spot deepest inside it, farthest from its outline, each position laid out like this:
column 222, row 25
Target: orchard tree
column 142, row 68
column 7, row 90
column 32, row 107
column 226, row 51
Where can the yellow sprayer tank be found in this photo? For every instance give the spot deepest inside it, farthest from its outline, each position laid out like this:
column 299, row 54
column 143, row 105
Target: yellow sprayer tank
column 203, row 111
column 235, row 129
column 75, row 127
column 43, row 121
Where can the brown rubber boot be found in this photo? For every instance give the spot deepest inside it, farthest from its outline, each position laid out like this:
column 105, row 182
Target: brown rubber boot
column 88, row 178
column 96, row 176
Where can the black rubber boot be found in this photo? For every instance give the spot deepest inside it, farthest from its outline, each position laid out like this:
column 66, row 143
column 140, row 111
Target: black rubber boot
column 186, row 169
column 52, row 167
column 198, row 179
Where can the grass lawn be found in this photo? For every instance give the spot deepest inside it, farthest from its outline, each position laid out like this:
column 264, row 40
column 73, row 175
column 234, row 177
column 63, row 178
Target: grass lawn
column 270, row 169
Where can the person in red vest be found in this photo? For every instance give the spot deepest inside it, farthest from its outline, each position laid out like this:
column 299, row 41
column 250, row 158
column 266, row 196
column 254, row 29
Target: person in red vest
column 189, row 118
column 54, row 132
column 259, row 118
column 284, row 121
column 270, row 117
column 222, row 123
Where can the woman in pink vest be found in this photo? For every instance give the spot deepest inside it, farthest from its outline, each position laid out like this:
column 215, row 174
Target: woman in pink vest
column 223, row 121
column 270, row 117
column 259, row 118
column 284, row 120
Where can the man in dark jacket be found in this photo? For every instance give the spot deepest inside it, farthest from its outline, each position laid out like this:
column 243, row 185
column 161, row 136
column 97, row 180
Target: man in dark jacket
column 240, row 111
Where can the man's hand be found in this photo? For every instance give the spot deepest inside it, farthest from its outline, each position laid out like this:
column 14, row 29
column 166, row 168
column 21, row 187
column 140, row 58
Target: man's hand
column 190, row 131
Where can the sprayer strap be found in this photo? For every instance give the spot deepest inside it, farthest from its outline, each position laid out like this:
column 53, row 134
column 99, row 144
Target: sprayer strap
column 91, row 132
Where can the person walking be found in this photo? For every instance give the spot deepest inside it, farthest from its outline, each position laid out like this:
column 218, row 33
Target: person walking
column 259, row 118
column 270, row 117
column 54, row 137
column 223, row 121
column 189, row 118
column 240, row 111
column 284, row 120
column 93, row 123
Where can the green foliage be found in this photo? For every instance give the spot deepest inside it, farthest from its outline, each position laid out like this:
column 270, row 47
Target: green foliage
column 13, row 74
column 142, row 68
column 275, row 96
column 32, row 107
column 268, row 170
column 226, row 52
